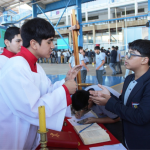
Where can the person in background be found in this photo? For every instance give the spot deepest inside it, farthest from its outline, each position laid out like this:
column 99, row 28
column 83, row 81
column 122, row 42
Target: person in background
column 71, row 60
column 118, row 61
column 68, row 55
column 86, row 52
column 93, row 56
column 56, row 57
column 81, row 59
column 113, row 56
column 13, row 42
column 59, row 56
column 108, row 56
column 65, row 56
column 99, row 65
column 84, row 70
column 81, row 51
column 90, row 56
column 104, row 56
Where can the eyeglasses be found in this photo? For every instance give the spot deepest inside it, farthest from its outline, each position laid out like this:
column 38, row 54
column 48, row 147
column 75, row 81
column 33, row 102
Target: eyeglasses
column 130, row 54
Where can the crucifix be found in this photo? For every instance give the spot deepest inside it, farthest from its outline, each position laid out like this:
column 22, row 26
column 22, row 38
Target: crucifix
column 75, row 32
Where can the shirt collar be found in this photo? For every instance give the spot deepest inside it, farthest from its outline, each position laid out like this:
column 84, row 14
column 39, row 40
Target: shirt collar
column 30, row 58
column 8, row 53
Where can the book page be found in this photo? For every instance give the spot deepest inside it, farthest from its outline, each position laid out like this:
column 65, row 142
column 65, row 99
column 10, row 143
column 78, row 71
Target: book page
column 74, row 120
column 94, row 136
column 95, row 126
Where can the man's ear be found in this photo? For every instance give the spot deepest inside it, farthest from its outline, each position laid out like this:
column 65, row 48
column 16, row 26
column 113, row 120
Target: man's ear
column 33, row 44
column 7, row 42
column 145, row 60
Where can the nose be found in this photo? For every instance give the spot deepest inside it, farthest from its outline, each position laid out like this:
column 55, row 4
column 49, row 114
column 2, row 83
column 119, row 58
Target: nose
column 20, row 43
column 52, row 45
column 126, row 56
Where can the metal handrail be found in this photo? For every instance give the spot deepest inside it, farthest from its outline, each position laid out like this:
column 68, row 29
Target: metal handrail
column 14, row 17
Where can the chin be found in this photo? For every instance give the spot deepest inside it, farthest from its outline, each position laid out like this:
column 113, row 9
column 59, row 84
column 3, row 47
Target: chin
column 47, row 56
column 127, row 67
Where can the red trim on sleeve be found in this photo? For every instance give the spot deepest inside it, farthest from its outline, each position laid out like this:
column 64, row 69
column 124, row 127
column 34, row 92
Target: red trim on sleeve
column 69, row 101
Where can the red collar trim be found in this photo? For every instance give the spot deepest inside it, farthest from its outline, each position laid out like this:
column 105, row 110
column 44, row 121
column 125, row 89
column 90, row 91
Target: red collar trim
column 7, row 53
column 30, row 58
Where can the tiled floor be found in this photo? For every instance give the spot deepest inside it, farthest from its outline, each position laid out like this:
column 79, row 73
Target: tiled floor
column 107, row 80
column 58, row 71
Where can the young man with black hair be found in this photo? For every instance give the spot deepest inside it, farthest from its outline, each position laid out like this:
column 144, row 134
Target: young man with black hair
column 13, row 42
column 133, row 105
column 81, row 99
column 82, row 103
column 24, row 87
column 100, row 60
column 113, row 56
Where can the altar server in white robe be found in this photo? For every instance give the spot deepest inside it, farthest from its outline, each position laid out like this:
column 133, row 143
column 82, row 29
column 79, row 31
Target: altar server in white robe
column 13, row 42
column 24, row 87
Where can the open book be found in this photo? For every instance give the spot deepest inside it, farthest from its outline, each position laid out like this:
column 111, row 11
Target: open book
column 93, row 134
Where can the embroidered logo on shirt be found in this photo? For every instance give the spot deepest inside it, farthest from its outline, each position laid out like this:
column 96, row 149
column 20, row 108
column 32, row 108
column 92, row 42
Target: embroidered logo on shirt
column 135, row 105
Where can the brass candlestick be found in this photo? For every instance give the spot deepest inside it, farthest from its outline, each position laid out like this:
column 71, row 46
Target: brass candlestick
column 43, row 139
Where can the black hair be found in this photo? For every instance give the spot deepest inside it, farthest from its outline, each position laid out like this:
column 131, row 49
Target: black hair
column 80, row 99
column 72, row 51
column 11, row 32
column 37, row 29
column 142, row 46
column 80, row 47
column 116, row 47
column 91, row 89
column 97, row 48
column 102, row 50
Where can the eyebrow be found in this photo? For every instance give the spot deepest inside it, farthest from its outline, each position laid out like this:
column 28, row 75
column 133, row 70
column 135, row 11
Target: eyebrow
column 50, row 39
column 18, row 39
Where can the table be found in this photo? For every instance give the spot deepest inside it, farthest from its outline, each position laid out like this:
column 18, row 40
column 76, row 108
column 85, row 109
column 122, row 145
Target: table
column 69, row 127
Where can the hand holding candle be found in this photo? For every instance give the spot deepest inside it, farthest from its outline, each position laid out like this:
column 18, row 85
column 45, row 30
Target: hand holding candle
column 42, row 122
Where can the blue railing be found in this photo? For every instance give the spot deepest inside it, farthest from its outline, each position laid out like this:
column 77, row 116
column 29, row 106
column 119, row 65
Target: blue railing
column 15, row 18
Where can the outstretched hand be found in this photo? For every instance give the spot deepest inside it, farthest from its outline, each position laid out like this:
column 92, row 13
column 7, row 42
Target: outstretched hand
column 104, row 89
column 72, row 73
column 100, row 97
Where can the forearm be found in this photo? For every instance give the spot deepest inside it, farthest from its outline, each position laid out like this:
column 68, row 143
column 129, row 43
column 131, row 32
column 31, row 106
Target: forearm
column 84, row 65
column 106, row 120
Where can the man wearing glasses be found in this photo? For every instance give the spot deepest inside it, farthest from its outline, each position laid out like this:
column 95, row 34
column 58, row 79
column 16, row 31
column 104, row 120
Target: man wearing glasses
column 133, row 105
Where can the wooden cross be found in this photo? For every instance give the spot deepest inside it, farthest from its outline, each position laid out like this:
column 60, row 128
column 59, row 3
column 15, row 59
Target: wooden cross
column 75, row 31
